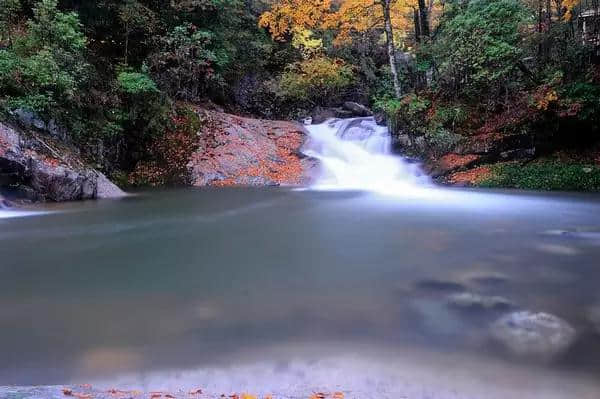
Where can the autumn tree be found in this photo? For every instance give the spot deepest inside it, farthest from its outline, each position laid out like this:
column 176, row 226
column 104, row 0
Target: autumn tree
column 289, row 17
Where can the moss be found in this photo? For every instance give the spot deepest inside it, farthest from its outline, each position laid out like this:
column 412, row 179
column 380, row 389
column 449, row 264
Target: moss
column 545, row 175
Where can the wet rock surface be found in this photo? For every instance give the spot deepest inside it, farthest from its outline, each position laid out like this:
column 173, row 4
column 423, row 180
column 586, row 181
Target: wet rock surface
column 529, row 334
column 250, row 152
column 36, row 167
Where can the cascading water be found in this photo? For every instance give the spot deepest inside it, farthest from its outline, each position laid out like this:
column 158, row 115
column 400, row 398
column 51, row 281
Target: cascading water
column 356, row 154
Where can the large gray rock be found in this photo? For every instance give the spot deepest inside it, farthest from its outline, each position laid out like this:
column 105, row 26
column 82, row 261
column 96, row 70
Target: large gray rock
column 43, row 170
column 538, row 335
column 320, row 115
column 357, row 109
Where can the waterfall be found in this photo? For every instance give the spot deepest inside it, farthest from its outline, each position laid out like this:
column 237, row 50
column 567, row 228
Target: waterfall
column 356, row 154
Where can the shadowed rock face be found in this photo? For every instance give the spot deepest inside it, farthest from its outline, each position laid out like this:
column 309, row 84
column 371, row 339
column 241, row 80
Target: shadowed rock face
column 37, row 168
column 249, row 152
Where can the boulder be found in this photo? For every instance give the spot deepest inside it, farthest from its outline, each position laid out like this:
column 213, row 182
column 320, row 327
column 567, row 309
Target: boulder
column 357, row 109
column 381, row 118
column 540, row 335
column 343, row 113
column 43, row 169
column 242, row 151
column 320, row 115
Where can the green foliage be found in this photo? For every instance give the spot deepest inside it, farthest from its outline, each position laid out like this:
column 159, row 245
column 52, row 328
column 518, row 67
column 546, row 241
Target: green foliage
column 479, row 47
column 186, row 65
column 545, row 175
column 449, row 116
column 391, row 107
column 136, row 83
column 44, row 69
column 316, row 80
column 9, row 11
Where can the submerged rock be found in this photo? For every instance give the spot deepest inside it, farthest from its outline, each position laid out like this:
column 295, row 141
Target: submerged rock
column 443, row 286
column 42, row 169
column 539, row 335
column 594, row 317
column 469, row 300
column 4, row 204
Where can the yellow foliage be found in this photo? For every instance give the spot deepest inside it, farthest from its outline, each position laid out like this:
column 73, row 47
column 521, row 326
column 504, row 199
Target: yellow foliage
column 569, row 5
column 543, row 101
column 303, row 40
column 363, row 15
column 345, row 17
column 288, row 15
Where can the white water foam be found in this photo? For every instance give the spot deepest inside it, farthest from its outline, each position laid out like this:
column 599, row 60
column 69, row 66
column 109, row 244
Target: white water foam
column 8, row 214
column 356, row 154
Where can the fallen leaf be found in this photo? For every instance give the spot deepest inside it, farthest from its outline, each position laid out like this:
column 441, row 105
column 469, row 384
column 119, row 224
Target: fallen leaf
column 67, row 392
column 338, row 395
column 196, row 392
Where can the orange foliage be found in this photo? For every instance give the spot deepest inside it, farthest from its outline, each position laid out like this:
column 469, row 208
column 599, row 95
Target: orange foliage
column 289, row 15
column 472, row 176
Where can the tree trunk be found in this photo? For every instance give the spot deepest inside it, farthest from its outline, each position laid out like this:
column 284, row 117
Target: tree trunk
column 540, row 46
column 389, row 36
column 424, row 18
column 417, row 25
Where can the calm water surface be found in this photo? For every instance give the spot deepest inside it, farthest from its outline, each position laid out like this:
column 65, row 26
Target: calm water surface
column 276, row 290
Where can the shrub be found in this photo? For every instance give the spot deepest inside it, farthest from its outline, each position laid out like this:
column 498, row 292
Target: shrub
column 545, row 175
column 44, row 69
column 136, row 83
column 185, row 65
column 317, row 81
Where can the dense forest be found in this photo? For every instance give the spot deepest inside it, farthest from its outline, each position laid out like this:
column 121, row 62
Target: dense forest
column 118, row 78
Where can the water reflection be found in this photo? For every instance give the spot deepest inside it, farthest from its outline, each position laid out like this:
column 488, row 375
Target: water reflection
column 278, row 290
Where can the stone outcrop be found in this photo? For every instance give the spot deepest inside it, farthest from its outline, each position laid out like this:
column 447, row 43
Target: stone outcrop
column 348, row 110
column 243, row 151
column 36, row 167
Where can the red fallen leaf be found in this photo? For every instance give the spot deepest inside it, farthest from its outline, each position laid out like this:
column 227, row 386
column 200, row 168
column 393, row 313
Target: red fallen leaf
column 154, row 395
column 338, row 395
column 67, row 392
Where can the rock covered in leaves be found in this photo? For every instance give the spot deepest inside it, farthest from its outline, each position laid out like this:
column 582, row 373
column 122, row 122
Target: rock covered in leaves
column 539, row 335
column 234, row 150
column 36, row 167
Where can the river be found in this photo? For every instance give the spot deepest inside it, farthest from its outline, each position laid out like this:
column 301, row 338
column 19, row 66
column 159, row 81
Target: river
column 286, row 291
